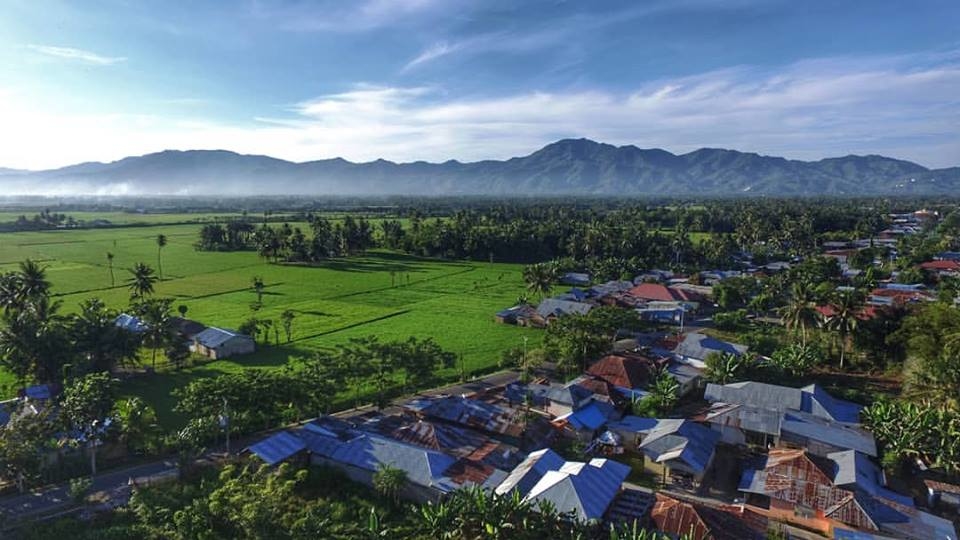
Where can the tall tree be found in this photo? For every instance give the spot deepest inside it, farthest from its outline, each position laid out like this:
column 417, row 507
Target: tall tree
column 87, row 403
column 161, row 243
column 156, row 316
column 539, row 278
column 98, row 340
column 846, row 312
column 141, row 282
column 798, row 314
column 113, row 281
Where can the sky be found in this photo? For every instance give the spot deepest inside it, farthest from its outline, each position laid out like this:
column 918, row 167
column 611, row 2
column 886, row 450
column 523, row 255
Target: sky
column 407, row 80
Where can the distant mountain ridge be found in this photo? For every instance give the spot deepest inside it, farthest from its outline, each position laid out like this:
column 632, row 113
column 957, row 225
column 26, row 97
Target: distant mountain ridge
column 566, row 167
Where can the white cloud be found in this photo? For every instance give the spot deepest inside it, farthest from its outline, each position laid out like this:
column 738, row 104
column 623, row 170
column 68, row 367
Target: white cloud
column 807, row 110
column 78, row 55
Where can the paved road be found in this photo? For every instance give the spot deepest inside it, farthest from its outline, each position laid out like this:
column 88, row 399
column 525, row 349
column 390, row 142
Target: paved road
column 55, row 498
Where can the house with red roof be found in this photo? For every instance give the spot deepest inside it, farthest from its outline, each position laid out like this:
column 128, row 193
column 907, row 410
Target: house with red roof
column 678, row 517
column 628, row 373
column 941, row 268
column 657, row 292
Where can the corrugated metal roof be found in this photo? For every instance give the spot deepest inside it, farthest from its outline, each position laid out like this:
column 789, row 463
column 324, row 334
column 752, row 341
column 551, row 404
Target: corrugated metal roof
column 587, row 489
column 698, row 346
column 691, row 443
column 278, row 447
column 556, row 307
column 525, row 475
column 214, row 337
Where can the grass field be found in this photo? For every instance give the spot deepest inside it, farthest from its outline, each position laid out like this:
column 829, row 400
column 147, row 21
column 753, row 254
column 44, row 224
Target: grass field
column 452, row 302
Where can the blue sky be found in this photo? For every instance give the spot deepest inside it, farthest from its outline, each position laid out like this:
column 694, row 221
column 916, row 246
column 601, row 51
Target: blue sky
column 475, row 79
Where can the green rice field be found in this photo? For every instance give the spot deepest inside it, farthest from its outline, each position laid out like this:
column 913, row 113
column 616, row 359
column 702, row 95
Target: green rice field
column 390, row 295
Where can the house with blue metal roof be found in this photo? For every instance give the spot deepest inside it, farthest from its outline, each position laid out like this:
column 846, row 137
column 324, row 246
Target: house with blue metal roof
column 808, row 417
column 585, row 490
column 278, row 447
column 219, row 343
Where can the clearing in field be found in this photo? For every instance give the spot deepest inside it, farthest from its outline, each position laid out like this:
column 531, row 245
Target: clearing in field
column 390, row 295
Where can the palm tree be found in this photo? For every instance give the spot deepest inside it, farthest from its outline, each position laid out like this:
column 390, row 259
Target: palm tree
column 156, row 317
column 258, row 287
column 138, row 424
column 141, row 281
column 161, row 243
column 113, row 281
column 539, row 278
column 33, row 281
column 846, row 309
column 799, row 312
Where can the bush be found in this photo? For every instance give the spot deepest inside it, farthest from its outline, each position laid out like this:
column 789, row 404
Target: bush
column 78, row 489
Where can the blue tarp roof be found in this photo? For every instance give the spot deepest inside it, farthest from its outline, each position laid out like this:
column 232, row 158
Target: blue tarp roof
column 278, row 447
column 591, row 417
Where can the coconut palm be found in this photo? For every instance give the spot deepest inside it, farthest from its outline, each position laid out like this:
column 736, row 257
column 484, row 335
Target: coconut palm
column 799, row 312
column 846, row 308
column 33, row 281
column 161, row 243
column 156, row 317
column 539, row 278
column 142, row 279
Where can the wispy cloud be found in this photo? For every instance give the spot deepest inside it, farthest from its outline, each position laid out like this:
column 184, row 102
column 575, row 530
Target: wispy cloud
column 77, row 55
column 338, row 16
column 906, row 106
column 563, row 31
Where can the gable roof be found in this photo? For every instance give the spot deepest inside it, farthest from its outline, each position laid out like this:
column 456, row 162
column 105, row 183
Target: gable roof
column 187, row 327
column 679, row 517
column 623, row 371
column 812, row 399
column 526, row 475
column 278, row 447
column 590, row 417
column 469, row 412
column 214, row 337
column 699, row 346
column 662, row 293
column 370, row 452
column 555, row 307
column 688, row 442
column 586, row 489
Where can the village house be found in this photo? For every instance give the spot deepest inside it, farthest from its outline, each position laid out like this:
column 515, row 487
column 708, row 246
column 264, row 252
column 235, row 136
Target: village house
column 552, row 308
column 216, row 343
column 696, row 347
column 941, row 268
column 843, row 490
column 657, row 292
column 674, row 449
column 586, row 490
column 520, row 315
column 575, row 279
column 673, row 515
column 430, row 474
column 130, row 323
column 628, row 373
column 765, row 414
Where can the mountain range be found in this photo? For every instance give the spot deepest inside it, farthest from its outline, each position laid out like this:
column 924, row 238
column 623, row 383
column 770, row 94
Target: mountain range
column 566, row 167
